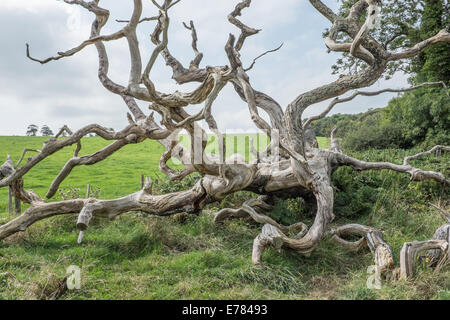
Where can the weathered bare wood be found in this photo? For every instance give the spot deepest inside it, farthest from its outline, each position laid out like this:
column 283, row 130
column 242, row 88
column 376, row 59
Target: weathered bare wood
column 436, row 256
column 198, row 55
column 383, row 255
column 245, row 30
column 371, row 22
column 23, row 156
column 142, row 180
column 262, row 55
column 371, row 238
column 229, row 213
column 411, row 250
column 363, row 47
column 441, row 36
column 6, row 169
column 88, row 191
column 421, row 154
column 270, row 235
column 338, row 235
column 140, row 21
column 415, row 173
column 334, row 143
column 293, row 163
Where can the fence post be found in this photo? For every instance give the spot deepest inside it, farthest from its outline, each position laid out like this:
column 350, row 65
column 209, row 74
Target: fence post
column 18, row 205
column 10, row 204
column 142, row 181
column 88, row 191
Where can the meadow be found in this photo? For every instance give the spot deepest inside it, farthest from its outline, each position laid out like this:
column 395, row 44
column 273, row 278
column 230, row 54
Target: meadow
column 189, row 257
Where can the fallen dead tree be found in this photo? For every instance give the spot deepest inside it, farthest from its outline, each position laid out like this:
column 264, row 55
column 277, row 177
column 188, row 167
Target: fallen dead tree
column 292, row 165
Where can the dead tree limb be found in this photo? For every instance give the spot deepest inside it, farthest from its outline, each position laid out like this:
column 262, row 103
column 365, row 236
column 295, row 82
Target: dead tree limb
column 295, row 166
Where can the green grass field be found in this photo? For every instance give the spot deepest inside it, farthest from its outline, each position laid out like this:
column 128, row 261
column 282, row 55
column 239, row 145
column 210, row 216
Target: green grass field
column 141, row 257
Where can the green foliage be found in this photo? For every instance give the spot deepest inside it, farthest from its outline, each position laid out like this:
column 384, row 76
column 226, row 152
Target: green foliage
column 323, row 127
column 422, row 115
column 364, row 193
column 354, row 196
column 163, row 185
column 434, row 63
column 283, row 213
column 372, row 131
column 419, row 117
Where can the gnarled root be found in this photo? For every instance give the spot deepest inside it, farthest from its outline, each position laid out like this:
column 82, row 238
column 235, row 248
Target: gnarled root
column 371, row 238
column 269, row 235
column 411, row 251
column 435, row 256
column 306, row 240
column 253, row 208
column 272, row 236
column 250, row 207
column 438, row 249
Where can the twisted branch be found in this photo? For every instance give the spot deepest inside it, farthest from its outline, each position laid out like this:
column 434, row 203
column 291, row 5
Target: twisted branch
column 245, row 30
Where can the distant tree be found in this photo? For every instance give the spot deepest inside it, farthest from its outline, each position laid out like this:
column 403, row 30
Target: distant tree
column 46, row 131
column 32, row 130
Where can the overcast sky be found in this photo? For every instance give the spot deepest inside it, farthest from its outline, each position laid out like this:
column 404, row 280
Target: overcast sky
column 68, row 91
